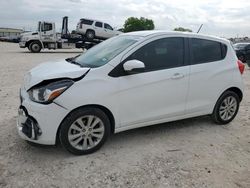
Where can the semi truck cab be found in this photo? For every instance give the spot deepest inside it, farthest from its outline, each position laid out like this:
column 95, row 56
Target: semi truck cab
column 44, row 37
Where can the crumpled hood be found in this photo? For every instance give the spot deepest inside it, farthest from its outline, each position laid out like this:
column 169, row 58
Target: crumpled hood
column 52, row 70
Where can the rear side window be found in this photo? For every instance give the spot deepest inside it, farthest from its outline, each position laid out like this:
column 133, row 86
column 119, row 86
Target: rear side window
column 98, row 24
column 204, row 51
column 86, row 22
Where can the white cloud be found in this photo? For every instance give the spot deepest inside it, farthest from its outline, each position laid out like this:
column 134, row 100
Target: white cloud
column 220, row 17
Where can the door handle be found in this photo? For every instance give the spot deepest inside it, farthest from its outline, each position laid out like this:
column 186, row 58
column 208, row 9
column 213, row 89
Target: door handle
column 177, row 76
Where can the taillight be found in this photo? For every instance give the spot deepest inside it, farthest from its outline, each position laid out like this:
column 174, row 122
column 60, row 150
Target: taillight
column 241, row 66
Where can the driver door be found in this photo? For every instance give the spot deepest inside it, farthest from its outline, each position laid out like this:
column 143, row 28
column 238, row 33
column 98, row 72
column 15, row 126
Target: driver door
column 159, row 92
column 108, row 30
column 47, row 33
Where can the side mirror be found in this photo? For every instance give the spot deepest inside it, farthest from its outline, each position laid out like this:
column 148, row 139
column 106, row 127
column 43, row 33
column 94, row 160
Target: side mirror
column 133, row 65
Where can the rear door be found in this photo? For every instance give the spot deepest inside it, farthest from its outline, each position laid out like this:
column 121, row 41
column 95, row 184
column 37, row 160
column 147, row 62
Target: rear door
column 210, row 73
column 99, row 31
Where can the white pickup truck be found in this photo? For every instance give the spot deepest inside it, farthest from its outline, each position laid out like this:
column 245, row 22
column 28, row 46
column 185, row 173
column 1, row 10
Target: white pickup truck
column 95, row 29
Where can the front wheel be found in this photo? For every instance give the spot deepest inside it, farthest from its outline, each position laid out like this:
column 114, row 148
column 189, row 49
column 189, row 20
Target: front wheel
column 90, row 34
column 84, row 130
column 35, row 47
column 226, row 108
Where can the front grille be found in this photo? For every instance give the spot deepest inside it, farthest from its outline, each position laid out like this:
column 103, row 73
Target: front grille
column 30, row 126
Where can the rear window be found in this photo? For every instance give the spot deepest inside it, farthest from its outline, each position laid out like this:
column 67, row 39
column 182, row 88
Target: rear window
column 204, row 51
column 86, row 22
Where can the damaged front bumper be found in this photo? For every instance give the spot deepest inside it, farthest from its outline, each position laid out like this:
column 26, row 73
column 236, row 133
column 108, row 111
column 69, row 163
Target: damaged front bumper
column 39, row 123
column 28, row 125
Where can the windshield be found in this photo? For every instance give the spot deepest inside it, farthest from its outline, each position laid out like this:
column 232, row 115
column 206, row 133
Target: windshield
column 106, row 51
column 240, row 45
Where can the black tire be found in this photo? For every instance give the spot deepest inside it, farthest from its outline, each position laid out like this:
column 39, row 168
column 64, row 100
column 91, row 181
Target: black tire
column 216, row 117
column 69, row 121
column 90, row 34
column 35, row 47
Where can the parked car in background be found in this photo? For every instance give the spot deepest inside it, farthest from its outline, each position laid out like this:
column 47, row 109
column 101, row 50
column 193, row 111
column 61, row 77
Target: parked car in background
column 242, row 51
column 14, row 39
column 129, row 81
column 95, row 29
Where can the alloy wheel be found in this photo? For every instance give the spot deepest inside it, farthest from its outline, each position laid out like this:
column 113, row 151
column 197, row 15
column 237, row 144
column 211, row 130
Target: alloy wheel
column 86, row 132
column 228, row 108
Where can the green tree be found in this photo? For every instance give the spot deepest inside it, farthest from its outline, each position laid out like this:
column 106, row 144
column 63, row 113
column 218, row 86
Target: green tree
column 136, row 24
column 182, row 29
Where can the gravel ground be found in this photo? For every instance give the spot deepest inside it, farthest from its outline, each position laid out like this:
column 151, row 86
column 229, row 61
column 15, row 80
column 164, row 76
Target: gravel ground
column 187, row 153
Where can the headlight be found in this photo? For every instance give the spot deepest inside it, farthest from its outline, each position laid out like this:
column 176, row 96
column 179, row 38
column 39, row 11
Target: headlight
column 23, row 38
column 46, row 94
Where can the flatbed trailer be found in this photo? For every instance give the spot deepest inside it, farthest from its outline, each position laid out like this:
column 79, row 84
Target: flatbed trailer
column 46, row 38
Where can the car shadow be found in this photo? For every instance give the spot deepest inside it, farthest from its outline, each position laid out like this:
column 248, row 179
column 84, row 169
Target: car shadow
column 166, row 127
column 116, row 140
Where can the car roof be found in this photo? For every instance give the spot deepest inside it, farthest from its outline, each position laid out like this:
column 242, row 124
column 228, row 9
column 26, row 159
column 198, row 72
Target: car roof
column 151, row 33
column 92, row 20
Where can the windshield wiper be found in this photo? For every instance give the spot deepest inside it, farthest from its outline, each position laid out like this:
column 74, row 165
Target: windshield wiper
column 76, row 63
column 72, row 60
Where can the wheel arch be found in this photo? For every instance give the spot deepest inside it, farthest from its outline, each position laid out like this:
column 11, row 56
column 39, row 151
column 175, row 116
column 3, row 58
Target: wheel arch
column 103, row 108
column 30, row 41
column 237, row 91
column 233, row 89
column 90, row 30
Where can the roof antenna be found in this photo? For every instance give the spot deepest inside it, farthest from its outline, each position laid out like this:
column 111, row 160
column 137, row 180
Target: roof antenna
column 199, row 28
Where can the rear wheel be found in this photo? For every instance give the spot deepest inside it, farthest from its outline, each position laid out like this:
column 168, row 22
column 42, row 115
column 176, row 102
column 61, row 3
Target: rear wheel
column 226, row 108
column 84, row 131
column 35, row 47
column 90, row 34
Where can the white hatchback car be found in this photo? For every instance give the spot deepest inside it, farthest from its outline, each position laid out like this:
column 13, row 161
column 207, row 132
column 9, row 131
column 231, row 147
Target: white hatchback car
column 95, row 29
column 129, row 81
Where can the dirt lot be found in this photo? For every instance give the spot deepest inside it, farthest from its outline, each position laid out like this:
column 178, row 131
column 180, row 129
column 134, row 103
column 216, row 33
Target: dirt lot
column 188, row 153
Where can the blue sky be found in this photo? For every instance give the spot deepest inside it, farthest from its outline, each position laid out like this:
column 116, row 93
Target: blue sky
column 226, row 18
